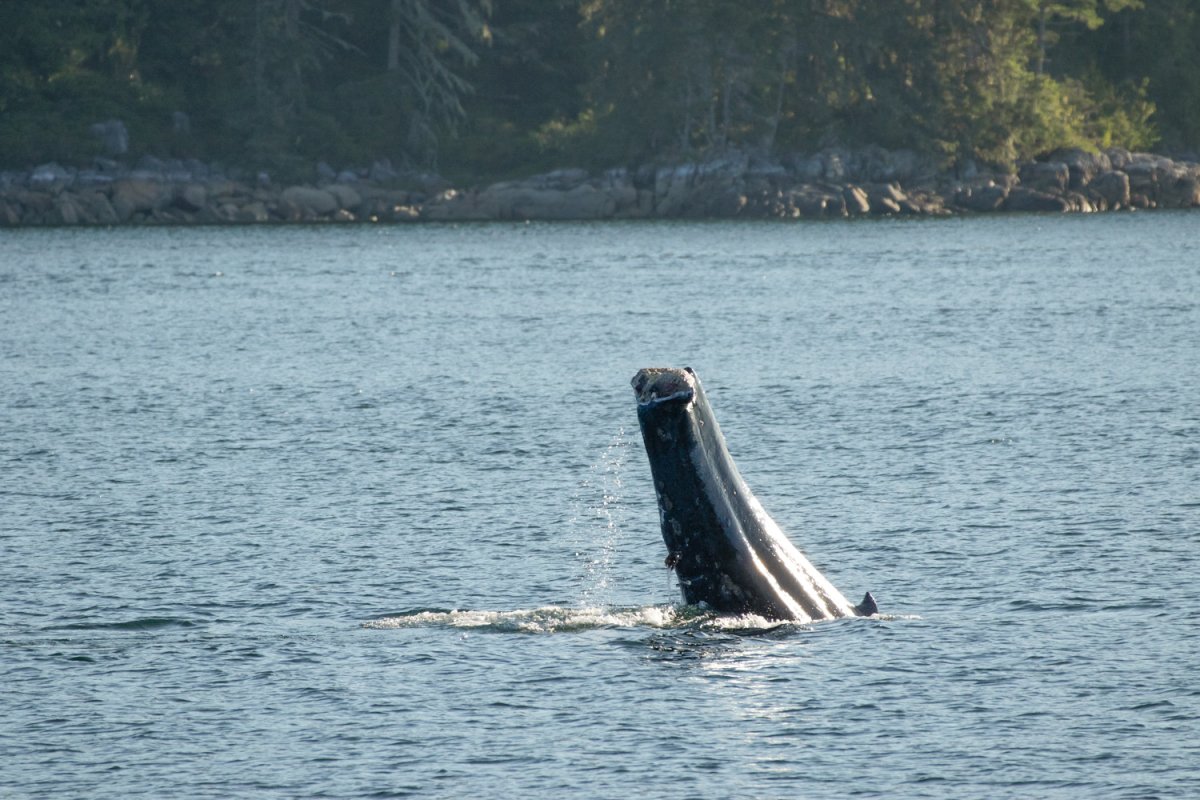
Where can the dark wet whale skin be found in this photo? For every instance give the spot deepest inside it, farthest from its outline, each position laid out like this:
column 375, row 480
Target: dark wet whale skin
column 727, row 553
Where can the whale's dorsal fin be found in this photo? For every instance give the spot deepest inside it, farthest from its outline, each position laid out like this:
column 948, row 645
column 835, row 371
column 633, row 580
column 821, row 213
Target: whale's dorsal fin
column 867, row 607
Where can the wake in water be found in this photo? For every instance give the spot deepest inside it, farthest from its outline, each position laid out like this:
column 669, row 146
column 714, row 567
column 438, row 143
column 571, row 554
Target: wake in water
column 557, row 619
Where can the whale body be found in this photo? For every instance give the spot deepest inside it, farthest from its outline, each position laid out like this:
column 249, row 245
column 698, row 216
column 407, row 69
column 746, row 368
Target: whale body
column 727, row 553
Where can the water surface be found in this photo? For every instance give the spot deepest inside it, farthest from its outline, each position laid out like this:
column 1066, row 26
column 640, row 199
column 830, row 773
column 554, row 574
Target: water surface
column 351, row 512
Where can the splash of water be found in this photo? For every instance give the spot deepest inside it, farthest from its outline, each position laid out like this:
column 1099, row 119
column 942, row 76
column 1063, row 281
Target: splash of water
column 548, row 619
column 598, row 521
column 557, row 619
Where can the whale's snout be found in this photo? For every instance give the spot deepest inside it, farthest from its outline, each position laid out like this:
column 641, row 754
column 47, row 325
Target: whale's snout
column 657, row 385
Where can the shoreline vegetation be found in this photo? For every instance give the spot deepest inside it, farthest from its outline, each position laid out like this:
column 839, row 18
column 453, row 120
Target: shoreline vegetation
column 829, row 184
column 231, row 111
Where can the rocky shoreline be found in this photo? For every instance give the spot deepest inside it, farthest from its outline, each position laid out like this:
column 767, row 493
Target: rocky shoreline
column 833, row 183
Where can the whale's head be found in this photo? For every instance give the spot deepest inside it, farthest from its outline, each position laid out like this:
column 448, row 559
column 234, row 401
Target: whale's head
column 658, row 385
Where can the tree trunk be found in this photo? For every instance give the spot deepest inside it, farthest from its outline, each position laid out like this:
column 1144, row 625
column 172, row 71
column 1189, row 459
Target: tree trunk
column 1041, row 41
column 393, row 52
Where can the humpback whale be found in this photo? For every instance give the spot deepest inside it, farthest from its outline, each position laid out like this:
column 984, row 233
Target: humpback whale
column 727, row 554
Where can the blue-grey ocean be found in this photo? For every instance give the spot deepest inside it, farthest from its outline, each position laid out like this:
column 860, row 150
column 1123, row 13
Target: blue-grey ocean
column 349, row 512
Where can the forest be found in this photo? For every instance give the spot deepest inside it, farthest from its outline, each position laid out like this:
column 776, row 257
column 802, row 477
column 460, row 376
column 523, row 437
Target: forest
column 481, row 89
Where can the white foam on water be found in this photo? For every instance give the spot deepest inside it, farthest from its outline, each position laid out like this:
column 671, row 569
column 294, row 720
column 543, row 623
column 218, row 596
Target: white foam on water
column 548, row 619
column 560, row 619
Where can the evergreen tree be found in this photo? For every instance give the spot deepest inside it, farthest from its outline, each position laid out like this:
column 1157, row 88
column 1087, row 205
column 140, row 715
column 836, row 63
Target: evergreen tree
column 535, row 83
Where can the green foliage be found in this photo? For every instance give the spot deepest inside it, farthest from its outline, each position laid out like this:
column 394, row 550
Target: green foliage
column 1155, row 49
column 63, row 66
column 501, row 87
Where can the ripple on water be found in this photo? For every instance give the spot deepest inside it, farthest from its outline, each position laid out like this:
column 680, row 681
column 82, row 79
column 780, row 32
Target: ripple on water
column 207, row 485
